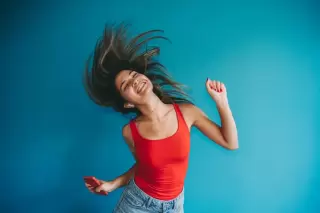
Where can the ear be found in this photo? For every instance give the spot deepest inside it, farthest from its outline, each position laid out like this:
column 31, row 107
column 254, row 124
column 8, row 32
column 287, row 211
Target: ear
column 128, row 105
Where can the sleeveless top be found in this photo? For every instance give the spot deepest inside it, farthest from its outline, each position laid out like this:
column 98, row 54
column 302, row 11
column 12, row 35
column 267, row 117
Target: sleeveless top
column 162, row 163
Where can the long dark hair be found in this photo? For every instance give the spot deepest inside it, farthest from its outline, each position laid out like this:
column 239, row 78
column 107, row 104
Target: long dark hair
column 113, row 53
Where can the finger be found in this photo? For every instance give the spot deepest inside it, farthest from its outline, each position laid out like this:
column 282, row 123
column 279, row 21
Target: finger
column 223, row 88
column 98, row 189
column 208, row 82
column 102, row 181
column 89, row 186
column 218, row 86
column 91, row 189
column 214, row 85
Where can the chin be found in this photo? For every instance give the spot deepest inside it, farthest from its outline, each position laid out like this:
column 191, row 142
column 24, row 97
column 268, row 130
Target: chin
column 149, row 88
column 148, row 91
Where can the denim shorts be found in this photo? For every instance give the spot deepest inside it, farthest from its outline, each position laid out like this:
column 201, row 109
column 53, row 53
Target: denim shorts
column 134, row 200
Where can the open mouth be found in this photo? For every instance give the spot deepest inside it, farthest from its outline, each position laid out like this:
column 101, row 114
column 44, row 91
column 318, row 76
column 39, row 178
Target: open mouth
column 140, row 87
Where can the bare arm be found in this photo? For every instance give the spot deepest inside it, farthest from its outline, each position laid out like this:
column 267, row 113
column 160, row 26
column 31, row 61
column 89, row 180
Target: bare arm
column 228, row 125
column 225, row 135
column 124, row 179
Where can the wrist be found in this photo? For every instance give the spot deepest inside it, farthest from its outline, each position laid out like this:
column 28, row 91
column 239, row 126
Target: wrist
column 222, row 104
column 117, row 183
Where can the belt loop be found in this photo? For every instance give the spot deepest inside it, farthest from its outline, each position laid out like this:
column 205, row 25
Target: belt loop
column 148, row 203
column 163, row 206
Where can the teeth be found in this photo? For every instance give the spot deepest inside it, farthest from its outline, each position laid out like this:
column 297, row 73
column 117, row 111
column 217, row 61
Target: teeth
column 140, row 87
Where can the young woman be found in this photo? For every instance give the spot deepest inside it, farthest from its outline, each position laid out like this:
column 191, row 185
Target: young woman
column 126, row 77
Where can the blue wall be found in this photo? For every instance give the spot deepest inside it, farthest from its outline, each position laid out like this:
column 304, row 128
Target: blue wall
column 266, row 52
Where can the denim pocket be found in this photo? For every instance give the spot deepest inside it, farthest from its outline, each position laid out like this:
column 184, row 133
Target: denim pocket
column 179, row 203
column 134, row 199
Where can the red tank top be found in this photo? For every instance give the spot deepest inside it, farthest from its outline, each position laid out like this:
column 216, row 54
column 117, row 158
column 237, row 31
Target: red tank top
column 162, row 164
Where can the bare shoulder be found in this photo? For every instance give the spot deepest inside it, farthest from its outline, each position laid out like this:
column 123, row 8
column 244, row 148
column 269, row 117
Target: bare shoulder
column 126, row 133
column 190, row 112
column 189, row 109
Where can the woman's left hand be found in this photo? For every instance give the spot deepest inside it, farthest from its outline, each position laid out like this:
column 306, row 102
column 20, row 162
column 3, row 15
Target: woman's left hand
column 217, row 91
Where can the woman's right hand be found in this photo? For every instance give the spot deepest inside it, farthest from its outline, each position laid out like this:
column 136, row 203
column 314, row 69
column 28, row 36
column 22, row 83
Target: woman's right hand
column 107, row 186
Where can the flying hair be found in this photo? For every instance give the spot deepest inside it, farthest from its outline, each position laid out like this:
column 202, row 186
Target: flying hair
column 116, row 51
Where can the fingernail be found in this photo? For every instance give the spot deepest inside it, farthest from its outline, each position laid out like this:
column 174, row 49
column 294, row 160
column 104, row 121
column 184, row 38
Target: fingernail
column 207, row 79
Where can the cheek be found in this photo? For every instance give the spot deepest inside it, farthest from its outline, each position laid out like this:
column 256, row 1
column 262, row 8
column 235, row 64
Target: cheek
column 129, row 95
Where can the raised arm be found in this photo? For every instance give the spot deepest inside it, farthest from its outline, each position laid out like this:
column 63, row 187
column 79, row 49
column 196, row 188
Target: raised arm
column 225, row 135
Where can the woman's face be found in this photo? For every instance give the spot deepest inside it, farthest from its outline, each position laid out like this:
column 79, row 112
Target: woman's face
column 133, row 87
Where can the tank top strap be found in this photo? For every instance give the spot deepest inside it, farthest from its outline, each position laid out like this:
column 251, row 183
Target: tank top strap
column 177, row 109
column 181, row 119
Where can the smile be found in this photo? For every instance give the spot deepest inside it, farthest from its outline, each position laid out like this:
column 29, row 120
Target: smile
column 141, row 86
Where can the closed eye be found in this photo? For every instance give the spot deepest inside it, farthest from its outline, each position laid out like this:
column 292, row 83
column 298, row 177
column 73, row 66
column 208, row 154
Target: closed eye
column 126, row 83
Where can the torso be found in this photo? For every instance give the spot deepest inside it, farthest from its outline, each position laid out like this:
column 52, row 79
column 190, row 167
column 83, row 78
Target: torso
column 161, row 150
column 159, row 130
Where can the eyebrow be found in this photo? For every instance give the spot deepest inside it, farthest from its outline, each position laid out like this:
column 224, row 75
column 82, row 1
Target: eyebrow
column 131, row 71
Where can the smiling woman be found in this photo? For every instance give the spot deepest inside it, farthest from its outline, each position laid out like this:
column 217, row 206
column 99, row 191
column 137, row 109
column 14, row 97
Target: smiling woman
column 114, row 53
column 130, row 80
column 133, row 87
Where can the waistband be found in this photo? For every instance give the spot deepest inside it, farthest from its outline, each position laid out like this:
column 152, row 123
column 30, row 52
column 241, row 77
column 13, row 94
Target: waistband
column 133, row 186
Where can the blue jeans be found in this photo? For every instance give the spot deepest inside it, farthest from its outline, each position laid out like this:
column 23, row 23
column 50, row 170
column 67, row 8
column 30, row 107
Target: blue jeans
column 134, row 200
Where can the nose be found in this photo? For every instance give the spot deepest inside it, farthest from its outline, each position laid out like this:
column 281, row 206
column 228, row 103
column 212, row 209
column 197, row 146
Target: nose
column 135, row 82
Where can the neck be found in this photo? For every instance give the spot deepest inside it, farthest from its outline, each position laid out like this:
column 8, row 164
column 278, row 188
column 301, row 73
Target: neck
column 154, row 109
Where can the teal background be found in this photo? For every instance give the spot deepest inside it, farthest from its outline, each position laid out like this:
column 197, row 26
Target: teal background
column 266, row 52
